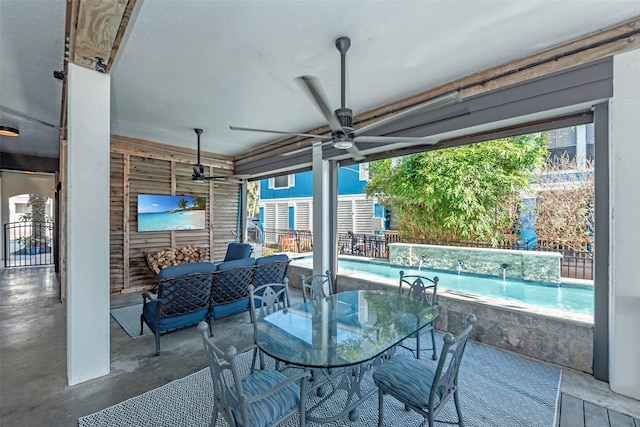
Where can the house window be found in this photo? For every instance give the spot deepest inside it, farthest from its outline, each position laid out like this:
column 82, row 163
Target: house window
column 364, row 171
column 280, row 182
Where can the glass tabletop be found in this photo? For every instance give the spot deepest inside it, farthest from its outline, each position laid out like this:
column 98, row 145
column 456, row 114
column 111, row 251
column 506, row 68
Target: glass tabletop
column 342, row 329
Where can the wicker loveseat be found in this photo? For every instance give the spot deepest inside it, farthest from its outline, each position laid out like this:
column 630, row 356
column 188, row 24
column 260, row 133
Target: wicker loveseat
column 192, row 292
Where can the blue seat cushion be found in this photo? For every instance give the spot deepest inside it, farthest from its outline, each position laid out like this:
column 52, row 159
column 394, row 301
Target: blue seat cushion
column 187, row 268
column 408, row 378
column 263, row 412
column 227, row 309
column 271, row 258
column 230, row 265
column 173, row 322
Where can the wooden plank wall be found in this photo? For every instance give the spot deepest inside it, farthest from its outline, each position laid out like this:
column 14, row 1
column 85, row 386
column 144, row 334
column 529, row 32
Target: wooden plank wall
column 133, row 174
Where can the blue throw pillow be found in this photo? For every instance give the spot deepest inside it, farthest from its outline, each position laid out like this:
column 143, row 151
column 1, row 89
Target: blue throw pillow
column 237, row 250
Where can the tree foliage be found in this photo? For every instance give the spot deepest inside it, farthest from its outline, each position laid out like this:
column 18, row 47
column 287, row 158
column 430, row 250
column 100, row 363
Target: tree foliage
column 199, row 202
column 462, row 193
column 564, row 202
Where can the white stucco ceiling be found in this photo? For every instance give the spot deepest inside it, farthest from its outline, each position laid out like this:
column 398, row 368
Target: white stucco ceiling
column 211, row 64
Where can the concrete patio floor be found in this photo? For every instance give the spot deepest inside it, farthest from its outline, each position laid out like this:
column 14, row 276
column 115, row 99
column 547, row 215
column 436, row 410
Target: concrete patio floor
column 33, row 382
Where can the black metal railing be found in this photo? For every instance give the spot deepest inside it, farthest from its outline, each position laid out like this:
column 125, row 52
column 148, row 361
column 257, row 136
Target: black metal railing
column 28, row 243
column 575, row 264
column 287, row 240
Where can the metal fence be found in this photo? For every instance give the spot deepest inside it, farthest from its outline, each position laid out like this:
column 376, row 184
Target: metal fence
column 28, row 243
column 575, row 264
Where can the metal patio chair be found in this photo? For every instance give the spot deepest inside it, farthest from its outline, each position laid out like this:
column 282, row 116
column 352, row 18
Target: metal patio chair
column 316, row 286
column 423, row 289
column 415, row 383
column 259, row 399
column 264, row 300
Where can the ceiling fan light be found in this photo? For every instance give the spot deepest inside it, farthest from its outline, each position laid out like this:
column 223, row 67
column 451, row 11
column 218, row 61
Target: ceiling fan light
column 343, row 145
column 8, row 131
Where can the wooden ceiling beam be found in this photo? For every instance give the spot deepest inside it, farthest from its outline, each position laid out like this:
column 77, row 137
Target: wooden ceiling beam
column 98, row 31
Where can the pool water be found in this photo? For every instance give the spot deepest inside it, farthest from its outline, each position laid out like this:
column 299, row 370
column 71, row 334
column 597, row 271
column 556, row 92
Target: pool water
column 569, row 297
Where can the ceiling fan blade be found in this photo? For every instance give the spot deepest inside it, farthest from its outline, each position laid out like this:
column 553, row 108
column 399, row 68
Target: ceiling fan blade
column 448, row 98
column 316, row 91
column 395, row 140
column 281, row 132
column 299, row 150
column 355, row 153
column 303, row 149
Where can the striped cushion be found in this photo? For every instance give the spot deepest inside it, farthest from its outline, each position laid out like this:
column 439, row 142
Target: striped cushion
column 409, row 378
column 264, row 412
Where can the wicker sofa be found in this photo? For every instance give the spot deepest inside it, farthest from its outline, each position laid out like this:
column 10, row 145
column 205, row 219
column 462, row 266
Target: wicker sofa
column 192, row 292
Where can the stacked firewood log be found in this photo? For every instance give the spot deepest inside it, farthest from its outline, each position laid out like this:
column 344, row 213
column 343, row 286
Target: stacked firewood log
column 174, row 256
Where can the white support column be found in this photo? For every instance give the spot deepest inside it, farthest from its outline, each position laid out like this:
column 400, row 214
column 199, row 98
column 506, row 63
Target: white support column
column 323, row 213
column 624, row 345
column 87, row 232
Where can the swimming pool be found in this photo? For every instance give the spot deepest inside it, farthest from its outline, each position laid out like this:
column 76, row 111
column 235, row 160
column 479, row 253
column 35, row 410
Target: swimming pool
column 569, row 297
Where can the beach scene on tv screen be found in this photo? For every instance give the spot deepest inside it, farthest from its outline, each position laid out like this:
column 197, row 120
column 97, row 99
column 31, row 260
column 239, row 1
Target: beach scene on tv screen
column 161, row 213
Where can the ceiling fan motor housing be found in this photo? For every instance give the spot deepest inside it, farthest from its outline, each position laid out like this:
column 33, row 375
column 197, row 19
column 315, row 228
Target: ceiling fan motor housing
column 344, row 140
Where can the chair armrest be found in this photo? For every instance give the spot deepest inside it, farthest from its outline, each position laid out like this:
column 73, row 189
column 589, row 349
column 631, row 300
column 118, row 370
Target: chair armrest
column 147, row 296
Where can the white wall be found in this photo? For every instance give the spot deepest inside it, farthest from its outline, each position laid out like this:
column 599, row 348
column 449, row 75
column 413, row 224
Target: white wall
column 87, row 225
column 624, row 338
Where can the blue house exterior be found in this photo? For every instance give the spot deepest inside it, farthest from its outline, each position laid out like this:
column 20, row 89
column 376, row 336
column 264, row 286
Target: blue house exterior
column 286, row 202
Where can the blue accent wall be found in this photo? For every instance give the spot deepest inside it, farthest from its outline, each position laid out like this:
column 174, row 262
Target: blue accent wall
column 348, row 183
column 349, row 180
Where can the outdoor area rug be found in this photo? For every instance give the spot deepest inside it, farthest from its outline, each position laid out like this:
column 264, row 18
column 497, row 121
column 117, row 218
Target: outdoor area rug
column 129, row 319
column 496, row 389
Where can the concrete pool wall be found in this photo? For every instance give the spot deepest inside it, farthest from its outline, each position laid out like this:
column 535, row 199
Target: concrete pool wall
column 550, row 335
column 524, row 265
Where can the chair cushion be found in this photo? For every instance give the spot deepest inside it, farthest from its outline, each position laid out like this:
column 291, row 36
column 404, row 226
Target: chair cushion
column 221, row 310
column 408, row 378
column 173, row 322
column 263, row 412
column 188, row 268
column 272, row 258
column 237, row 250
column 230, row 265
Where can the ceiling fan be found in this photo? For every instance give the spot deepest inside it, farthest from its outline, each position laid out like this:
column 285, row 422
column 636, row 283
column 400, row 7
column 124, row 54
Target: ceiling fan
column 343, row 136
column 198, row 169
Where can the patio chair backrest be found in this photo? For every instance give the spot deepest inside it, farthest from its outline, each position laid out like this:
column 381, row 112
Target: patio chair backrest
column 446, row 376
column 180, row 293
column 270, row 269
column 267, row 299
column 419, row 287
column 316, row 286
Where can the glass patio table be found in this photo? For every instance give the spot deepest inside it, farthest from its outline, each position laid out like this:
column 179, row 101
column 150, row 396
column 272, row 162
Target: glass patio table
column 340, row 338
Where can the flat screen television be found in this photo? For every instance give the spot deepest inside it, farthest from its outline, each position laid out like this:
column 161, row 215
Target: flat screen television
column 161, row 213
